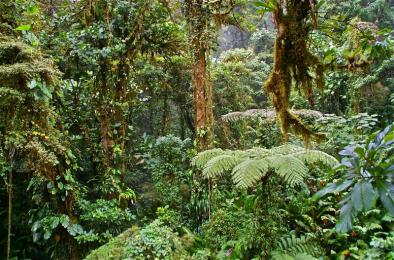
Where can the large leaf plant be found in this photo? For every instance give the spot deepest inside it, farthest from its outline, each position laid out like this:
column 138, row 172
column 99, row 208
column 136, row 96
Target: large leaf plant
column 367, row 172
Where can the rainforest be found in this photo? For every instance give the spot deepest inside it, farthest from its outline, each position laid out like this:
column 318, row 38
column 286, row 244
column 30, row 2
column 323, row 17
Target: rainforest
column 197, row 129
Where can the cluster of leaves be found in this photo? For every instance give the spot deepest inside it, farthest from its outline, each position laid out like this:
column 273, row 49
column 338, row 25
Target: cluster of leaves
column 158, row 240
column 367, row 173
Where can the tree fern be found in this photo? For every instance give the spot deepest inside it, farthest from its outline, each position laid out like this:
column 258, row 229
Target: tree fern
column 287, row 149
column 249, row 166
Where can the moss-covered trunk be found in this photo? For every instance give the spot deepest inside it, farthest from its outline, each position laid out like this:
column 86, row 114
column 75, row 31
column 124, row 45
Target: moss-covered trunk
column 293, row 62
column 199, row 35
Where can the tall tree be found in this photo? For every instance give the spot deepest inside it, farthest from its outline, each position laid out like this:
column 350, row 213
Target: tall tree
column 200, row 37
column 31, row 143
column 204, row 19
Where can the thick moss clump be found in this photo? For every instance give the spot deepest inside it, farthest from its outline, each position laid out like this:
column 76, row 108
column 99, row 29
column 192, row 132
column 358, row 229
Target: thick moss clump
column 293, row 63
column 155, row 241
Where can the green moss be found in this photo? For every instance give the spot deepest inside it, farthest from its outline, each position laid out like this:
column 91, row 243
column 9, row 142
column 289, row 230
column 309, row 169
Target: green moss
column 12, row 51
column 19, row 63
column 292, row 64
column 155, row 241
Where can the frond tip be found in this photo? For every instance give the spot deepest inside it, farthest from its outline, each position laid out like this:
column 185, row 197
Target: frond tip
column 248, row 167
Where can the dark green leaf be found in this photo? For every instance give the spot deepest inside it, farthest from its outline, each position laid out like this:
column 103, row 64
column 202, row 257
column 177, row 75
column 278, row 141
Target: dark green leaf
column 345, row 218
column 363, row 196
column 386, row 195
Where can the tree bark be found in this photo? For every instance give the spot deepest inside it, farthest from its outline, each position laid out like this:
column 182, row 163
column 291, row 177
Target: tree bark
column 202, row 102
column 199, row 29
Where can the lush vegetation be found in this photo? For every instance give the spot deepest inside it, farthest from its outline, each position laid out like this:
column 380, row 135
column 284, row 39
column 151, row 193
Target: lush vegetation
column 129, row 130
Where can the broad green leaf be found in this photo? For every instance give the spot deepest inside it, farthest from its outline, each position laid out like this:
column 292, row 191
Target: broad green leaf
column 386, row 195
column 343, row 186
column 320, row 4
column 326, row 190
column 47, row 234
column 55, row 223
column 363, row 196
column 36, row 226
column 348, row 150
column 360, row 151
column 333, row 188
column 345, row 218
column 64, row 221
column 32, row 10
column 266, row 6
column 25, row 27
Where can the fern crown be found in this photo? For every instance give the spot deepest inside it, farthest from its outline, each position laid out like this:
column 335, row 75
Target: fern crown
column 247, row 167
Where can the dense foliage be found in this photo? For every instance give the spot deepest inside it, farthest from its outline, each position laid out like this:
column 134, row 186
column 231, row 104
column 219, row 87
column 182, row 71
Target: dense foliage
column 134, row 129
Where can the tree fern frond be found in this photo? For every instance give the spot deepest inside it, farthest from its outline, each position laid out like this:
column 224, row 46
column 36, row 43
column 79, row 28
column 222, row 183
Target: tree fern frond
column 202, row 158
column 314, row 156
column 258, row 152
column 220, row 164
column 268, row 114
column 249, row 171
column 286, row 149
column 291, row 169
column 247, row 167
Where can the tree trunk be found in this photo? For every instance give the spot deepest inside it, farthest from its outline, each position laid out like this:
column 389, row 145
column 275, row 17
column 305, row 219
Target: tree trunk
column 202, row 96
column 9, row 213
column 199, row 31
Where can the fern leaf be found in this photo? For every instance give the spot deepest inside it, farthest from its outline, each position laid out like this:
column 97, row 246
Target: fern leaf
column 258, row 152
column 247, row 167
column 286, row 149
column 294, row 246
column 202, row 158
column 291, row 169
column 248, row 172
column 220, row 164
column 314, row 156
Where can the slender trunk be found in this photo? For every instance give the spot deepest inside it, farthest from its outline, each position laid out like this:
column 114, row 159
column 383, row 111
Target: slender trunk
column 10, row 190
column 182, row 124
column 165, row 112
column 120, row 118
